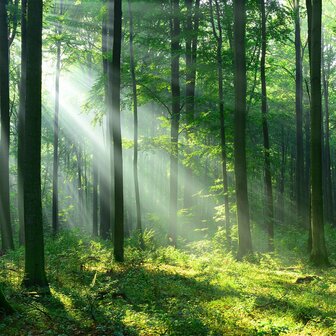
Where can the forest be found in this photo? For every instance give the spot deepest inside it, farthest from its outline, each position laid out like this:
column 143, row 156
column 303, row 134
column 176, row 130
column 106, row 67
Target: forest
column 167, row 167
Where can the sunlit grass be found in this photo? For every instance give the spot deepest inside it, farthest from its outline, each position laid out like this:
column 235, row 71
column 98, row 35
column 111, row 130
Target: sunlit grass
column 200, row 290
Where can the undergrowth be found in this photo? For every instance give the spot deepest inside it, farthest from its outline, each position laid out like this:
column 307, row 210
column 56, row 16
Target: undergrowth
column 197, row 290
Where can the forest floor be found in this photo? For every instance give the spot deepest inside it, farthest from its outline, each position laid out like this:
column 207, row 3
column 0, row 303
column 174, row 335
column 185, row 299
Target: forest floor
column 200, row 290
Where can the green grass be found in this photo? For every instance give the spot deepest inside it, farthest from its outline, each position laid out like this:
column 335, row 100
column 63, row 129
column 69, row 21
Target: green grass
column 200, row 290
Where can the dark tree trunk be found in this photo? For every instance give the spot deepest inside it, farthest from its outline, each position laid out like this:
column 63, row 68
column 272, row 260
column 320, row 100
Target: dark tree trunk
column 264, row 111
column 319, row 252
column 136, row 131
column 299, row 176
column 5, row 307
column 21, row 118
column 219, row 38
column 55, row 219
column 244, row 231
column 115, row 130
column 34, row 245
column 175, row 118
column 5, row 216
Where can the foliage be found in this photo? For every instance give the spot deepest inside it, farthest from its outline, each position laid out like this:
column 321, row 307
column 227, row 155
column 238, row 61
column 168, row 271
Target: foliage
column 200, row 290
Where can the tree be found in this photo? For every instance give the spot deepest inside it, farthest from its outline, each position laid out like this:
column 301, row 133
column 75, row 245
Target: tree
column 104, row 177
column 219, row 39
column 175, row 117
column 34, row 242
column 299, row 115
column 4, row 305
column 264, row 112
column 21, row 122
column 136, row 130
column 115, row 16
column 191, row 46
column 244, row 231
column 319, row 252
column 329, row 213
column 55, row 219
column 5, row 217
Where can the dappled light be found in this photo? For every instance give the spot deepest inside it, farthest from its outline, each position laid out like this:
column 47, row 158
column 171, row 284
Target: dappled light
column 167, row 167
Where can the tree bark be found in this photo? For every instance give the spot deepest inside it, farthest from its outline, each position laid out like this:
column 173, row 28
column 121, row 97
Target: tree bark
column 21, row 123
column 104, row 176
column 329, row 213
column 95, row 180
column 244, row 231
column 264, row 111
column 55, row 219
column 191, row 46
column 219, row 38
column 5, row 215
column 175, row 118
column 319, row 252
column 136, row 131
column 5, row 307
column 34, row 245
column 115, row 130
column 299, row 118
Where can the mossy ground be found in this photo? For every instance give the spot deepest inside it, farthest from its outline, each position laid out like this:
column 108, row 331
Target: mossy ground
column 200, row 290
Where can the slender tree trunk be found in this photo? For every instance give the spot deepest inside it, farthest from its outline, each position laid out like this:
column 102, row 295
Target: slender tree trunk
column 95, row 180
column 244, row 231
column 136, row 131
column 79, row 178
column 5, row 216
column 192, row 25
column 175, row 118
column 115, row 129
column 264, row 111
column 319, row 252
column 299, row 176
column 55, row 219
column 21, row 118
column 34, row 245
column 219, row 38
column 104, row 176
column 282, row 178
column 307, row 163
column 327, row 161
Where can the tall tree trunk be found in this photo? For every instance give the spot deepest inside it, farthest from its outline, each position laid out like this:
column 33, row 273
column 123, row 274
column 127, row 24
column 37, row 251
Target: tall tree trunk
column 219, row 38
column 104, row 176
column 5, row 216
column 175, row 118
column 319, row 252
column 115, row 129
column 34, row 245
column 136, row 131
column 307, row 163
column 55, row 219
column 21, row 118
column 191, row 45
column 264, row 111
column 244, row 231
column 329, row 213
column 299, row 177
